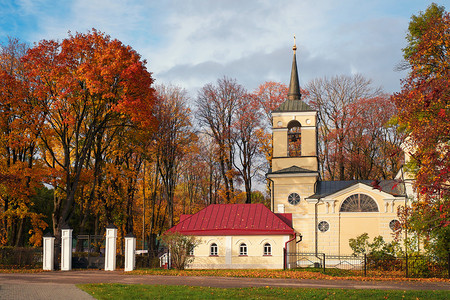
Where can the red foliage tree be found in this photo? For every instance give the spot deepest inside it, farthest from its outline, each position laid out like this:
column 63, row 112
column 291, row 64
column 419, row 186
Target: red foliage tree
column 424, row 112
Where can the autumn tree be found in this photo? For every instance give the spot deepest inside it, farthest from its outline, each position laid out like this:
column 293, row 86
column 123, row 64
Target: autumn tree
column 173, row 137
column 269, row 96
column 331, row 97
column 20, row 172
column 81, row 85
column 424, row 113
column 246, row 132
column 208, row 152
column 216, row 110
column 372, row 143
column 198, row 182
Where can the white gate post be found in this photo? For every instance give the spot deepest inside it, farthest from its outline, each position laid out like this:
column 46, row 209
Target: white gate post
column 110, row 251
column 48, row 255
column 130, row 252
column 66, row 248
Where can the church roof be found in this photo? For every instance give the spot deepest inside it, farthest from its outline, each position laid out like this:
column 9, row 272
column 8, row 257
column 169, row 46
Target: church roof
column 293, row 106
column 235, row 219
column 292, row 170
column 294, row 86
column 326, row 188
column 294, row 102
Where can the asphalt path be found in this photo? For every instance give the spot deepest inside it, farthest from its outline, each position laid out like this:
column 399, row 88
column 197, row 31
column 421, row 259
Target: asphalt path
column 97, row 276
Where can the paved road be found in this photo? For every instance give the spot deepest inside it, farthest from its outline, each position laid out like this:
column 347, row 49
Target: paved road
column 61, row 285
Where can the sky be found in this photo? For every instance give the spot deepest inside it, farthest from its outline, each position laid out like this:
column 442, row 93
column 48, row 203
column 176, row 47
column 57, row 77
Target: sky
column 190, row 43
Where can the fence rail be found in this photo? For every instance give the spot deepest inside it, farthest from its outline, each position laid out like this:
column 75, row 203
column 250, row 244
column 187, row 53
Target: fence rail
column 388, row 266
column 20, row 258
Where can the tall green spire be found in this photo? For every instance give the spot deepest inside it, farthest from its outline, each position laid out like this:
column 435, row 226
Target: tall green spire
column 294, row 86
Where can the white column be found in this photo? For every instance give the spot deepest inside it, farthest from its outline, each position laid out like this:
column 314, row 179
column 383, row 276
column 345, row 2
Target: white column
column 66, row 248
column 48, row 254
column 228, row 249
column 110, row 251
column 130, row 252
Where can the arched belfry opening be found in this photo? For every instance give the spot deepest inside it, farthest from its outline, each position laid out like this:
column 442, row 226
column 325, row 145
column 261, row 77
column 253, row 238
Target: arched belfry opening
column 294, row 138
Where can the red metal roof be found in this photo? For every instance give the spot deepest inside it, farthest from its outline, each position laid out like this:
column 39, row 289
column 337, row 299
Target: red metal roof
column 235, row 219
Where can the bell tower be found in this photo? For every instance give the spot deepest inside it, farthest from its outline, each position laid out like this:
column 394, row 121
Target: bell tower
column 294, row 169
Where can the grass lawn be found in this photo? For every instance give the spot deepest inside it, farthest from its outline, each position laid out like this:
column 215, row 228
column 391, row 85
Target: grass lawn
column 134, row 291
column 309, row 273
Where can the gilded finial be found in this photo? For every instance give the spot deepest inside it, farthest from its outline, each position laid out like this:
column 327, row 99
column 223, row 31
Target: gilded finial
column 295, row 45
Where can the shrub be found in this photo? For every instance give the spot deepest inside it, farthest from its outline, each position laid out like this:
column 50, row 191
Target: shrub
column 179, row 246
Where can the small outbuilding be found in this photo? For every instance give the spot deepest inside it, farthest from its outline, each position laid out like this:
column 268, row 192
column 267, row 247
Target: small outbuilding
column 237, row 236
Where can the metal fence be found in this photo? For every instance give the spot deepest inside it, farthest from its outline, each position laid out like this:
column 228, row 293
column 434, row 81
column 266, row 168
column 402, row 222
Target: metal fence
column 371, row 265
column 20, row 258
column 89, row 252
column 149, row 259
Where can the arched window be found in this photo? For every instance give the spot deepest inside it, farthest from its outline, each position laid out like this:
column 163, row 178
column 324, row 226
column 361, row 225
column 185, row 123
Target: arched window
column 294, row 138
column 243, row 249
column 267, row 249
column 213, row 249
column 359, row 203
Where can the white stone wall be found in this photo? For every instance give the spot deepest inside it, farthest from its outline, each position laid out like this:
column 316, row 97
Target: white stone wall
column 228, row 252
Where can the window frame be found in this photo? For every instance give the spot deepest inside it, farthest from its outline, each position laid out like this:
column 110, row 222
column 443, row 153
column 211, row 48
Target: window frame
column 267, row 249
column 293, row 200
column 357, row 199
column 326, row 224
column 213, row 250
column 243, row 249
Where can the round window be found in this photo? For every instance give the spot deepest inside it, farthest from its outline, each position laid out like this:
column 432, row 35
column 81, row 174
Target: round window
column 323, row 226
column 294, row 199
column 394, row 225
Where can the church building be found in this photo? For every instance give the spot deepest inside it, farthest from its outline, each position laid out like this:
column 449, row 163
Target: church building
column 307, row 214
column 325, row 213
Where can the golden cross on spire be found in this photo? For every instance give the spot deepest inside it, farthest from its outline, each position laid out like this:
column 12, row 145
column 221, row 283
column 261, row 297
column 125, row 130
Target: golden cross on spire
column 295, row 44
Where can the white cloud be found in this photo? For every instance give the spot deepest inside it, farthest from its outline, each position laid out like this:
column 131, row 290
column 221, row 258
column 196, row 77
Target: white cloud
column 193, row 42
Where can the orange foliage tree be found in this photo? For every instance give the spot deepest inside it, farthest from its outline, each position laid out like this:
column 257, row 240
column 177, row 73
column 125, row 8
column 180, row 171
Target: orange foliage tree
column 20, row 168
column 82, row 85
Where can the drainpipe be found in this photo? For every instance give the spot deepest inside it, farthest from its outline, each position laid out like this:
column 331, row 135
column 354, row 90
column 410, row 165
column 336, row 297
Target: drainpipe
column 316, row 224
column 285, row 250
column 406, row 220
column 300, row 239
column 272, row 200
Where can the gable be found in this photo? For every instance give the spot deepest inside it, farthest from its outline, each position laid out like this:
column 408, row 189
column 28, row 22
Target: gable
column 360, row 188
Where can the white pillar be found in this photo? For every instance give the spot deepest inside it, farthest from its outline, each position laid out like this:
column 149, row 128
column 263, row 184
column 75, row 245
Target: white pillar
column 66, row 248
column 130, row 250
column 110, row 251
column 48, row 254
